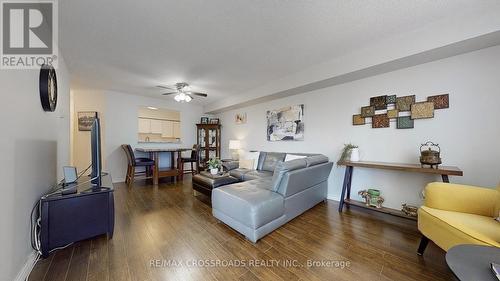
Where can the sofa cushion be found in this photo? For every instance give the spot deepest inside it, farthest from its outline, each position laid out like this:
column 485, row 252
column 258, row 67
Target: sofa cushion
column 270, row 160
column 252, row 175
column 239, row 173
column 230, row 165
column 247, row 164
column 449, row 228
column 249, row 202
column 316, row 159
column 283, row 167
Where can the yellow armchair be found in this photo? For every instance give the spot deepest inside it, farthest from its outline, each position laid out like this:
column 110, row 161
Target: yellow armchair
column 455, row 214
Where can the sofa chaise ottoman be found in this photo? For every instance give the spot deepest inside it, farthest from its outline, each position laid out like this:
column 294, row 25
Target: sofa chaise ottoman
column 262, row 201
column 205, row 182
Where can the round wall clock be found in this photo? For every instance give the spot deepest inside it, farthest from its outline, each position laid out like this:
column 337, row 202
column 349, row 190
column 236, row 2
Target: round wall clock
column 48, row 87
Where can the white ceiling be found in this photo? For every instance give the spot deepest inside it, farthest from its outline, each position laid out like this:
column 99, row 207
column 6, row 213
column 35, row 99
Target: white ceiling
column 227, row 47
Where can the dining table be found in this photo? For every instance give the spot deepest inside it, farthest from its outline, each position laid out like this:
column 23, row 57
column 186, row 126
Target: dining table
column 175, row 155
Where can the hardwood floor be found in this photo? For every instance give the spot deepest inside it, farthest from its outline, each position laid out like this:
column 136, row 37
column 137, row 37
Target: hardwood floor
column 158, row 225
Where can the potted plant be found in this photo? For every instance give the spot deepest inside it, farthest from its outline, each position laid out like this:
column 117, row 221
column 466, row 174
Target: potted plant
column 214, row 164
column 350, row 153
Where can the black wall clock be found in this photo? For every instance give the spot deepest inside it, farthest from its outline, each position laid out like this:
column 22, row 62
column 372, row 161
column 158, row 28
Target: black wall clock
column 48, row 87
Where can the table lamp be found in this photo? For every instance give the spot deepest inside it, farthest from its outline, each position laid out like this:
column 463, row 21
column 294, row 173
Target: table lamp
column 234, row 146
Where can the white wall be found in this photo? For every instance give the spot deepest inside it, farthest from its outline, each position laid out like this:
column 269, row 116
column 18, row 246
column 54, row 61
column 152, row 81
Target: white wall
column 34, row 146
column 468, row 131
column 118, row 113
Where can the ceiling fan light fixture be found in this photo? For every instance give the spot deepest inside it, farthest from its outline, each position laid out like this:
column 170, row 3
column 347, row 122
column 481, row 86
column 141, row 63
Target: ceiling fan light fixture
column 182, row 92
column 182, row 97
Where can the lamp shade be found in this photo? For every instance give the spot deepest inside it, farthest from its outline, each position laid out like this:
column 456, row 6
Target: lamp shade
column 234, row 144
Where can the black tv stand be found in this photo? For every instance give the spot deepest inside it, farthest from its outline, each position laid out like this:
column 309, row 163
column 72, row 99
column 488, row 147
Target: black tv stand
column 78, row 216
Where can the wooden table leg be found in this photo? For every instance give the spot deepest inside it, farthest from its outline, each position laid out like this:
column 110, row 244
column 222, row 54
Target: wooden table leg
column 178, row 169
column 345, row 186
column 172, row 164
column 156, row 157
column 180, row 166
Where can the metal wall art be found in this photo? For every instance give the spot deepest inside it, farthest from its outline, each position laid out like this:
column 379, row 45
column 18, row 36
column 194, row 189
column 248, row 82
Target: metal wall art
column 380, row 121
column 440, row 101
column 402, row 110
column 404, row 103
column 367, row 111
column 422, row 110
column 392, row 113
column 379, row 102
column 391, row 99
column 405, row 122
column 358, row 120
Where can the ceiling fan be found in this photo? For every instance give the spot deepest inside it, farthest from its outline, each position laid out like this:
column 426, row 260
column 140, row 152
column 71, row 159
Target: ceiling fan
column 182, row 92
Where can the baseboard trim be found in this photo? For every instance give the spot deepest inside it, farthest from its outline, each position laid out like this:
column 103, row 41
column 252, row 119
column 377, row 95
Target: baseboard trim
column 118, row 180
column 332, row 198
column 28, row 267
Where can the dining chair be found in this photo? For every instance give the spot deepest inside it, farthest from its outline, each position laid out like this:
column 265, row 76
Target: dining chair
column 193, row 160
column 133, row 162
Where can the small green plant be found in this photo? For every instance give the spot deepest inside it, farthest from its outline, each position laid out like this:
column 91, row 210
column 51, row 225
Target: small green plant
column 346, row 153
column 214, row 163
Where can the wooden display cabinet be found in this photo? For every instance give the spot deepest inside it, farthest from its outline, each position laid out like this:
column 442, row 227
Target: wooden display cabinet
column 208, row 138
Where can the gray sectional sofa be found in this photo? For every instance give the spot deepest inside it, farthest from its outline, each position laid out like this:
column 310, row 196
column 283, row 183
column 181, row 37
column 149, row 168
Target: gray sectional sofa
column 272, row 195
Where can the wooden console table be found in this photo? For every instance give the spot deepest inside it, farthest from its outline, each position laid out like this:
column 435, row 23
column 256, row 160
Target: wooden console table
column 345, row 197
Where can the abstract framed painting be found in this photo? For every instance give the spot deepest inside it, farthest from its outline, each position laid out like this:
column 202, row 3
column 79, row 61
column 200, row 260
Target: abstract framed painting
column 286, row 124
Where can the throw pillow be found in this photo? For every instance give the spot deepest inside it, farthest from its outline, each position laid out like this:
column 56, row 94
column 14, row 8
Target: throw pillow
column 247, row 164
column 290, row 157
column 247, row 155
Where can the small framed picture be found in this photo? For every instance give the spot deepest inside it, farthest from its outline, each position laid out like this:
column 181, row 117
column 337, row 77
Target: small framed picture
column 204, row 120
column 240, row 118
column 214, row 120
column 85, row 120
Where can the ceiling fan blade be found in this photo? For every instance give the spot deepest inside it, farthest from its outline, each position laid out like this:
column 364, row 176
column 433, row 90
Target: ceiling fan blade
column 166, row 87
column 171, row 93
column 198, row 94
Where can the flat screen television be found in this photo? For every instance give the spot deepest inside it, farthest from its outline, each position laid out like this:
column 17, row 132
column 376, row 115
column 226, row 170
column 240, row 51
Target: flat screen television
column 95, row 138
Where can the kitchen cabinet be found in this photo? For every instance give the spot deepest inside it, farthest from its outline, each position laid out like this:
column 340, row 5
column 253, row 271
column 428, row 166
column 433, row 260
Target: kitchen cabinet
column 177, row 130
column 156, row 126
column 167, row 129
column 144, row 126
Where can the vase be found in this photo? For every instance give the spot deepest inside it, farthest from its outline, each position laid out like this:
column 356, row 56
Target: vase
column 214, row 171
column 354, row 155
